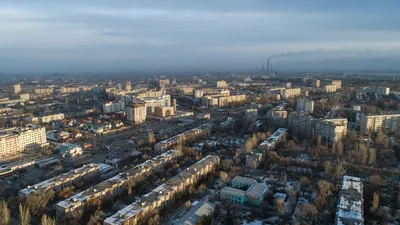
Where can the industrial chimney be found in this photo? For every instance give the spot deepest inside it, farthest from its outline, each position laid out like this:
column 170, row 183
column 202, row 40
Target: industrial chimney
column 174, row 104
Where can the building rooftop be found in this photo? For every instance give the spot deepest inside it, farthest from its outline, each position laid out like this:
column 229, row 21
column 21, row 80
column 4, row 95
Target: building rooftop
column 233, row 191
column 273, row 138
column 61, row 179
column 160, row 193
column 351, row 202
column 117, row 181
column 257, row 189
column 244, row 180
column 197, row 210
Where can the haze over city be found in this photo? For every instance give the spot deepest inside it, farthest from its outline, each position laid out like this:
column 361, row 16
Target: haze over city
column 197, row 36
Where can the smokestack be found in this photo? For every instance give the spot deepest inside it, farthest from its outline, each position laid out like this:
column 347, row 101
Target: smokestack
column 268, row 65
column 174, row 104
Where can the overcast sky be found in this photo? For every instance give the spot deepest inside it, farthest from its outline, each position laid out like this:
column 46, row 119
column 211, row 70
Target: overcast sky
column 184, row 35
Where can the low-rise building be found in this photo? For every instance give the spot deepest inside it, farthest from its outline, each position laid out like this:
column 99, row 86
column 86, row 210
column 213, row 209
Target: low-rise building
column 236, row 196
column 351, row 202
column 241, row 182
column 115, row 185
column 51, row 118
column 164, row 111
column 70, row 150
column 175, row 140
column 63, row 180
column 197, row 210
column 165, row 193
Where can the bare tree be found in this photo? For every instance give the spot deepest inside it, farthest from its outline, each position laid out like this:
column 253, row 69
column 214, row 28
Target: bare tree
column 372, row 156
column 375, row 202
column 47, row 220
column 279, row 205
column 24, row 215
column 224, row 177
column 4, row 213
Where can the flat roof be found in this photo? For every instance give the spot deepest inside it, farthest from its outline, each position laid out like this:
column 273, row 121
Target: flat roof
column 61, row 179
column 197, row 210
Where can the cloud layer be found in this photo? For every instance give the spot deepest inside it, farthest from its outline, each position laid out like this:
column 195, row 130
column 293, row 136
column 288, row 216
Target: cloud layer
column 179, row 35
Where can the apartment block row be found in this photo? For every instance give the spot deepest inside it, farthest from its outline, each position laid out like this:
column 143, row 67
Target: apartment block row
column 256, row 157
column 16, row 140
column 175, row 140
column 165, row 193
column 65, row 179
column 220, row 101
column 116, row 184
column 389, row 123
column 45, row 119
column 350, row 208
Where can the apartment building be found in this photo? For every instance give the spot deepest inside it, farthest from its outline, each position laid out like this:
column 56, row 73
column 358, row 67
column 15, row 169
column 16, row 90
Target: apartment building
column 175, row 140
column 291, row 92
column 331, row 88
column 376, row 89
column 165, row 193
column 331, row 130
column 337, row 83
column 221, row 84
column 74, row 89
column 117, row 184
column 113, row 106
column 256, row 157
column 278, row 116
column 350, row 208
column 301, row 124
column 153, row 102
column 389, row 123
column 153, row 93
column 136, row 112
column 16, row 140
column 17, row 88
column 316, row 83
column 305, row 105
column 198, row 93
column 65, row 179
column 220, row 101
column 51, row 118
column 43, row 91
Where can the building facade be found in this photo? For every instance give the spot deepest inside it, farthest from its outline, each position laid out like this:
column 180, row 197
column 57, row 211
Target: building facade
column 389, row 123
column 291, row 92
column 305, row 105
column 114, row 106
column 136, row 112
column 331, row 130
column 51, row 118
column 164, row 111
column 301, row 124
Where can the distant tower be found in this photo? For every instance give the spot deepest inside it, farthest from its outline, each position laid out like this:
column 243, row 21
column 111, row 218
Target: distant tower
column 174, row 104
column 268, row 65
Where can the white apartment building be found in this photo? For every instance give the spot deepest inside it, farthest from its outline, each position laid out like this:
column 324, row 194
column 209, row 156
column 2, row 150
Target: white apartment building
column 16, row 140
column 332, row 130
column 50, row 118
column 17, row 88
column 114, row 106
column 163, row 194
column 330, row 88
column 153, row 102
column 136, row 112
column 291, row 92
column 389, row 123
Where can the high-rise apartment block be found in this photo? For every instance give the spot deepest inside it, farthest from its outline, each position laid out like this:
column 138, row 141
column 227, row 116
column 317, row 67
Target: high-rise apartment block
column 389, row 123
column 305, row 105
column 330, row 88
column 301, row 124
column 16, row 140
column 331, row 130
column 17, row 88
column 114, row 106
column 136, row 112
column 291, row 92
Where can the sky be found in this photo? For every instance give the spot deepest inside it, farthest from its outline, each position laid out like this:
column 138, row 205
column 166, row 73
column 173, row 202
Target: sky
column 43, row 36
